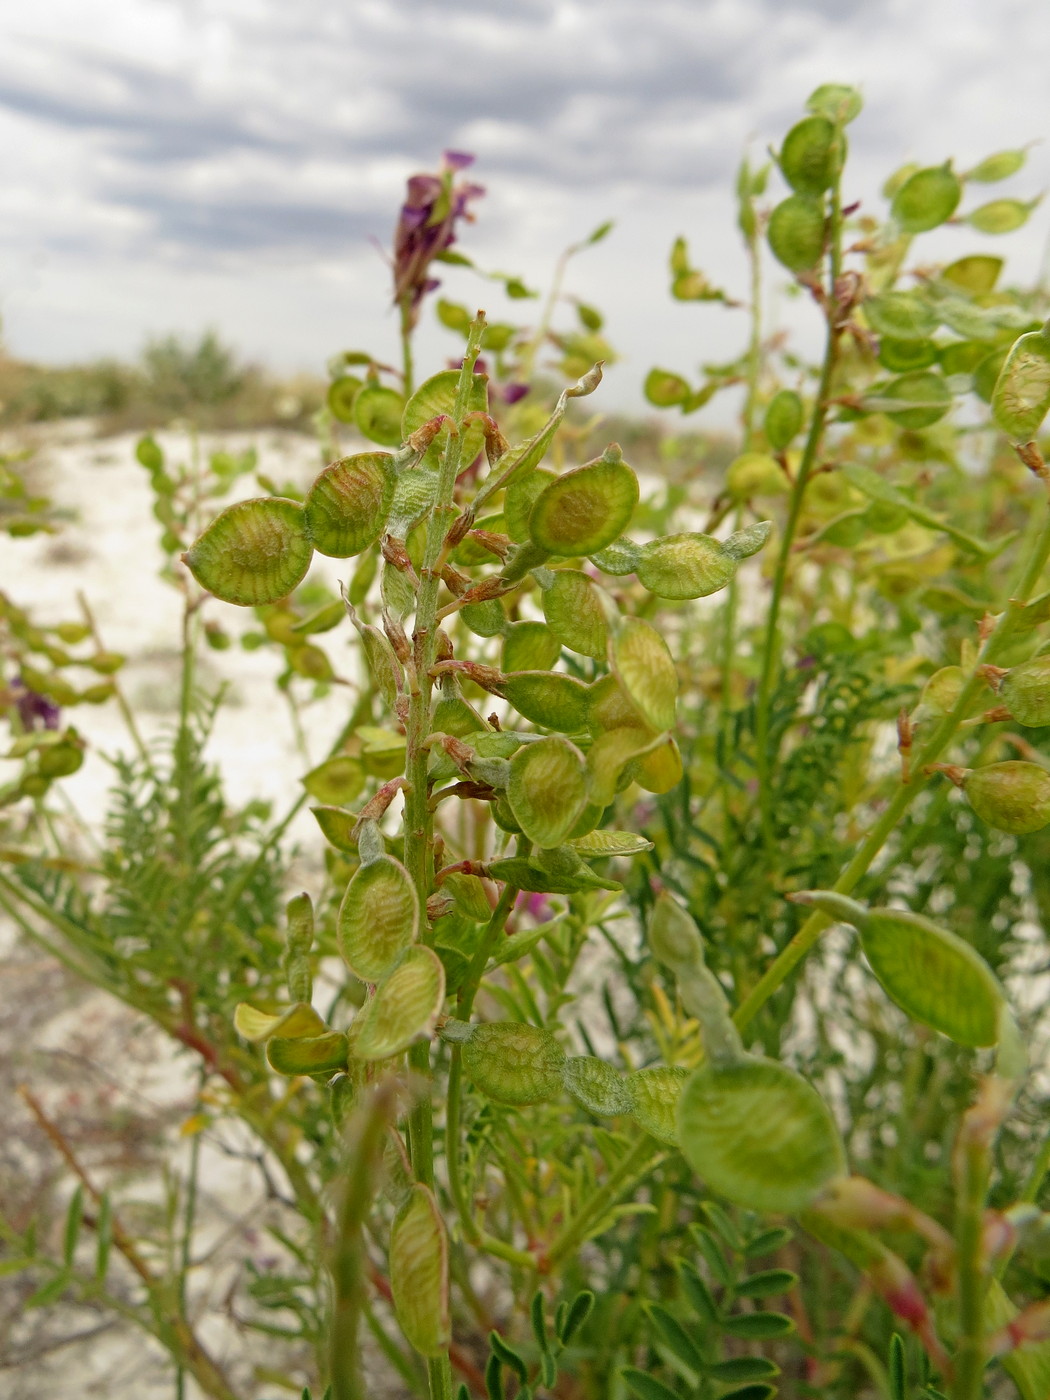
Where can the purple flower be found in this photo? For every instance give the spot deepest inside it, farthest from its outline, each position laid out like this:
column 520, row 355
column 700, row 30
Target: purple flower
column 33, row 706
column 427, row 227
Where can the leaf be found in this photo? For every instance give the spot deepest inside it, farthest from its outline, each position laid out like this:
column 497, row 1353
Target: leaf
column 767, row 1283
column 675, row 1338
column 254, row 552
column 578, row 1312
column 104, row 1236
column 405, row 1007
column 758, row 1325
column 743, row 1368
column 419, row 1273
column 514, row 1063
column 758, row 1134
column 585, row 509
column 508, row 1356
column 378, row 918
column 698, row 1293
column 49, row 1292
column 646, row 1387
column 74, row 1220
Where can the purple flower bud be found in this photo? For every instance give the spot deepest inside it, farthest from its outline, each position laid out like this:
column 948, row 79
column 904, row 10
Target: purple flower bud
column 512, row 393
column 426, row 227
column 457, row 160
column 33, row 706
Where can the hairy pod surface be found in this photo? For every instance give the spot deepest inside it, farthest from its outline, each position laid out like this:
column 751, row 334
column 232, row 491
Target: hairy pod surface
column 1021, row 397
column 347, row 506
column 1013, row 796
column 378, row 918
column 758, row 1134
column 687, row 565
column 654, row 1095
column 1025, row 691
column 547, row 789
column 254, row 552
column 596, row 1086
column 640, row 660
column 514, row 1063
column 796, row 232
column 419, row 1273
column 575, row 613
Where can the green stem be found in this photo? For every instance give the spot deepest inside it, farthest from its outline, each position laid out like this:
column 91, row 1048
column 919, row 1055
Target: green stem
column 974, row 1166
column 771, row 652
column 636, row 1164
column 407, row 368
column 789, row 957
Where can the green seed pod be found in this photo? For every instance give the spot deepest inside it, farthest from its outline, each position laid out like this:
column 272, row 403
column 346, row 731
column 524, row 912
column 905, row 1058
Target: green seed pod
column 337, row 826
column 673, row 935
column 378, row 918
column 585, row 509
column 336, row 782
column 608, row 759
column 927, row 198
column 566, row 873
column 575, row 613
column 1012, row 796
column 926, row 390
column 610, row 708
column 377, row 414
column 796, row 232
column 405, row 1007
column 783, row 419
column 742, row 544
column 469, row 894
column 935, row 977
column 1025, row 691
column 754, row 474
column 1001, row 215
column 485, row 619
column 812, row 155
column 990, row 323
column 319, row 1054
column 529, row 646
column 903, row 356
column 292, row 1023
column 419, row 1273
column 961, row 357
column 595, row 845
column 341, row 395
column 665, row 389
column 60, row 760
column 941, row 692
column 437, row 395
column 686, row 566
column 998, row 167
column 521, row 495
column 618, row 559
column 986, row 375
column 596, row 1086
column 977, row 273
column 253, row 552
column 452, row 715
column 514, row 1063
column 641, row 662
column 548, row 698
column 662, row 769
column 1021, row 397
column 547, row 789
column 836, row 101
column 901, row 315
column 347, row 506
column 654, row 1095
column 759, row 1134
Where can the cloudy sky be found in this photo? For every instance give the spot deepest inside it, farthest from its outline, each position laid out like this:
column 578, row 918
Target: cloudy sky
column 177, row 164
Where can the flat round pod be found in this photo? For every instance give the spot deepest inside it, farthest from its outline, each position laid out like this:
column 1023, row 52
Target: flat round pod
column 690, row 565
column 902, row 315
column 1021, row 396
column 377, row 414
column 337, row 781
column 812, row 154
column 618, row 559
column 610, row 707
column 796, row 232
column 521, row 495
column 485, row 619
column 662, row 769
column 927, row 198
column 378, row 918
column 1025, row 691
column 548, row 698
column 341, row 395
column 318, row 1054
column 923, row 388
column 529, row 646
column 904, row 356
column 654, row 1095
column 575, row 613
column 436, row 396
column 585, row 509
column 596, row 1086
column 514, row 1063
column 347, row 506
column 406, row 1006
column 252, row 553
column 759, row 1134
column 419, row 1273
column 547, row 789
column 783, row 419
column 597, row 845
column 640, row 660
column 609, row 757
column 1013, row 796
column 836, row 101
column 414, row 495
